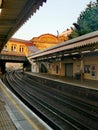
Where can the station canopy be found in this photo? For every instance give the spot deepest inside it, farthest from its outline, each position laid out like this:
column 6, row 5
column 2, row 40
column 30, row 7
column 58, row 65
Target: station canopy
column 13, row 14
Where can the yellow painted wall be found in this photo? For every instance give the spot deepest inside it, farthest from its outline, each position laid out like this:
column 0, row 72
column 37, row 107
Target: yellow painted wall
column 62, row 69
column 46, row 40
column 17, row 45
column 76, row 67
column 91, row 61
column 52, row 69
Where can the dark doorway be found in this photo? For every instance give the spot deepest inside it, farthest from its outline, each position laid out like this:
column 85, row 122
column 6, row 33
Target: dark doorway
column 69, row 70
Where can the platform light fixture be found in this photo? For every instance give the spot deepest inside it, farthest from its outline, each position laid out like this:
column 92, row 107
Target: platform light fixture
column 1, row 2
column 0, row 10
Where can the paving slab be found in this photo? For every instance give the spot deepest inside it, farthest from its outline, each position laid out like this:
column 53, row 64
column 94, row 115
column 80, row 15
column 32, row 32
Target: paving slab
column 14, row 115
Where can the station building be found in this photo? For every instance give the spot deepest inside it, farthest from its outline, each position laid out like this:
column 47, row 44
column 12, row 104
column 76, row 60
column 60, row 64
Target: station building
column 19, row 46
column 44, row 41
column 48, row 40
column 75, row 58
column 41, row 42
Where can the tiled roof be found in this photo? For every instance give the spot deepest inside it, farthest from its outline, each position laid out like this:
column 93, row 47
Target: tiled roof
column 81, row 41
column 32, row 49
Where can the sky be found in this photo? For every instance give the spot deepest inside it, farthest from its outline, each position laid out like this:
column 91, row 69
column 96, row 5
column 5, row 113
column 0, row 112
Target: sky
column 53, row 16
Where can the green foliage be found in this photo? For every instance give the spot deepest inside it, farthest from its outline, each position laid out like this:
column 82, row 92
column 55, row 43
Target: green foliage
column 87, row 21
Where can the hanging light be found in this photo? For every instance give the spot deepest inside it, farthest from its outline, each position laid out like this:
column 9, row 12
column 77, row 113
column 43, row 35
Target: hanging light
column 1, row 2
column 0, row 10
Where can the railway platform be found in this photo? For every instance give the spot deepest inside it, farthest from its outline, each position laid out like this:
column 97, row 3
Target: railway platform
column 91, row 84
column 14, row 115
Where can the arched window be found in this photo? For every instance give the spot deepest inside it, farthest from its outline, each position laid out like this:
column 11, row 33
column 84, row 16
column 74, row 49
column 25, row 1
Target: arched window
column 21, row 49
column 13, row 48
column 5, row 48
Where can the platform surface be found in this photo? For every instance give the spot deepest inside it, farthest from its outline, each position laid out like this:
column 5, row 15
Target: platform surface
column 14, row 115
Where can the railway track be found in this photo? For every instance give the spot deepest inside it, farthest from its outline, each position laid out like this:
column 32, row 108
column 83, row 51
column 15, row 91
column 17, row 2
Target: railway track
column 58, row 109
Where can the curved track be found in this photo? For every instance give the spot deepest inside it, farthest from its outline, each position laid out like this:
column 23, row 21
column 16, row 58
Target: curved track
column 58, row 110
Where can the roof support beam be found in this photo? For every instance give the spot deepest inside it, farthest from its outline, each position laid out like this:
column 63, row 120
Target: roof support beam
column 7, row 22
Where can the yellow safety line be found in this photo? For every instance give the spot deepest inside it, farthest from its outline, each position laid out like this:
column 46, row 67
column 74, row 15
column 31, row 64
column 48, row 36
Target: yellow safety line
column 19, row 109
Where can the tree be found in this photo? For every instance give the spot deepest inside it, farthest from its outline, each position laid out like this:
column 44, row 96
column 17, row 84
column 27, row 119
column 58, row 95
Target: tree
column 87, row 21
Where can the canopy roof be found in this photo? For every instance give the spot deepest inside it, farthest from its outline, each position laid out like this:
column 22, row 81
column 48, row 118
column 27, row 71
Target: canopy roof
column 88, row 42
column 14, row 14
